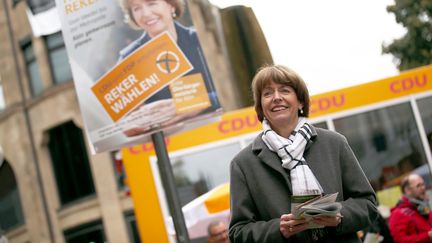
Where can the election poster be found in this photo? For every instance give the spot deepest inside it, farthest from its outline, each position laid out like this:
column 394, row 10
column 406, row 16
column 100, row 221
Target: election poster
column 138, row 68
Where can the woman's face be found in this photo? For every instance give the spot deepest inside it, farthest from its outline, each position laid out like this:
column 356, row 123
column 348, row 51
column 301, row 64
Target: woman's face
column 280, row 105
column 154, row 16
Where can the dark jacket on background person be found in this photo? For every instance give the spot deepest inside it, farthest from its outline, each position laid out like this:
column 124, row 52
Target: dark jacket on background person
column 407, row 224
column 261, row 190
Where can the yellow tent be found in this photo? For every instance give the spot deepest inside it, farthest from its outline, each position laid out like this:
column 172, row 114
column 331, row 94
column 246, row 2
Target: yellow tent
column 200, row 212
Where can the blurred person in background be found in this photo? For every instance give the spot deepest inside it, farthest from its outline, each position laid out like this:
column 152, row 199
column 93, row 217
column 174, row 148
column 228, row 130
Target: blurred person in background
column 411, row 218
column 217, row 232
column 293, row 158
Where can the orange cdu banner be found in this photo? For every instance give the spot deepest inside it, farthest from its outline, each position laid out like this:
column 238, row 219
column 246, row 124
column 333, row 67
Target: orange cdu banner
column 129, row 84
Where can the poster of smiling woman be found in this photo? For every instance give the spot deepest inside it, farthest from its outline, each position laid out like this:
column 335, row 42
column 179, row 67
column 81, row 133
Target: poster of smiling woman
column 137, row 69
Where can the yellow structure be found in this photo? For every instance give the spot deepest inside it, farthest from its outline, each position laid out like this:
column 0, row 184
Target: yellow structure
column 406, row 87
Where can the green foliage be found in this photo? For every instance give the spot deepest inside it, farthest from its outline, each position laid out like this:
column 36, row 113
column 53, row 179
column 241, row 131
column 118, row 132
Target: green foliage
column 414, row 49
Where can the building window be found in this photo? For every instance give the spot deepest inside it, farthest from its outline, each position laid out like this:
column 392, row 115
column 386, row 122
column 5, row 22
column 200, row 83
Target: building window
column 132, row 228
column 58, row 58
column 387, row 144
column 424, row 106
column 91, row 232
column 193, row 175
column 120, row 172
column 2, row 100
column 10, row 203
column 70, row 162
column 15, row 2
column 32, row 68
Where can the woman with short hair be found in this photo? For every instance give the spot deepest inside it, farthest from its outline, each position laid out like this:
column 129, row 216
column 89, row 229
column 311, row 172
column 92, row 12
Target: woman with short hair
column 293, row 158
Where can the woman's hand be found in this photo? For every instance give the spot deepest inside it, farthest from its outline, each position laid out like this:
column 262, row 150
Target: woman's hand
column 289, row 226
column 331, row 221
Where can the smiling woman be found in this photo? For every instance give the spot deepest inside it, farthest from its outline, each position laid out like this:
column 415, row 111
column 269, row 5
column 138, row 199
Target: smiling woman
column 294, row 159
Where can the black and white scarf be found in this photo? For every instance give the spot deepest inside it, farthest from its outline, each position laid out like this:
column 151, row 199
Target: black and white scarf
column 290, row 151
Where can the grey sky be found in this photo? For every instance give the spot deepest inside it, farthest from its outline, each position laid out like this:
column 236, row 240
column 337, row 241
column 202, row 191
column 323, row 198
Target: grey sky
column 331, row 44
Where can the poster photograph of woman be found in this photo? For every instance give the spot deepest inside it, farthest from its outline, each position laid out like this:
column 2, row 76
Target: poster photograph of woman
column 138, row 68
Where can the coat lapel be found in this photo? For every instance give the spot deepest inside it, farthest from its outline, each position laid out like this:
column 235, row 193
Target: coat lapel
column 270, row 158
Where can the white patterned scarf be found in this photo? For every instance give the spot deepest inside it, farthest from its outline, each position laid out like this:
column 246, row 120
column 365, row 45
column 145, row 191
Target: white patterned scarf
column 290, row 151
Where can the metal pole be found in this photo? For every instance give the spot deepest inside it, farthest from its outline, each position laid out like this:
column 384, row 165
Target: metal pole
column 167, row 176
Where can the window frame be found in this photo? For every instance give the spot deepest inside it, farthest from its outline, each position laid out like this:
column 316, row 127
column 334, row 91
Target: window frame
column 420, row 125
column 129, row 219
column 24, row 44
column 2, row 97
column 64, row 194
column 52, row 64
column 17, row 206
column 84, row 228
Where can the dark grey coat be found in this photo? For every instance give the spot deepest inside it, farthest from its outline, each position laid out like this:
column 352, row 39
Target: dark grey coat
column 261, row 190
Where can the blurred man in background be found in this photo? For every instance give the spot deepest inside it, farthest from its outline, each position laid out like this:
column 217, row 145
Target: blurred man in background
column 411, row 218
column 218, row 232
